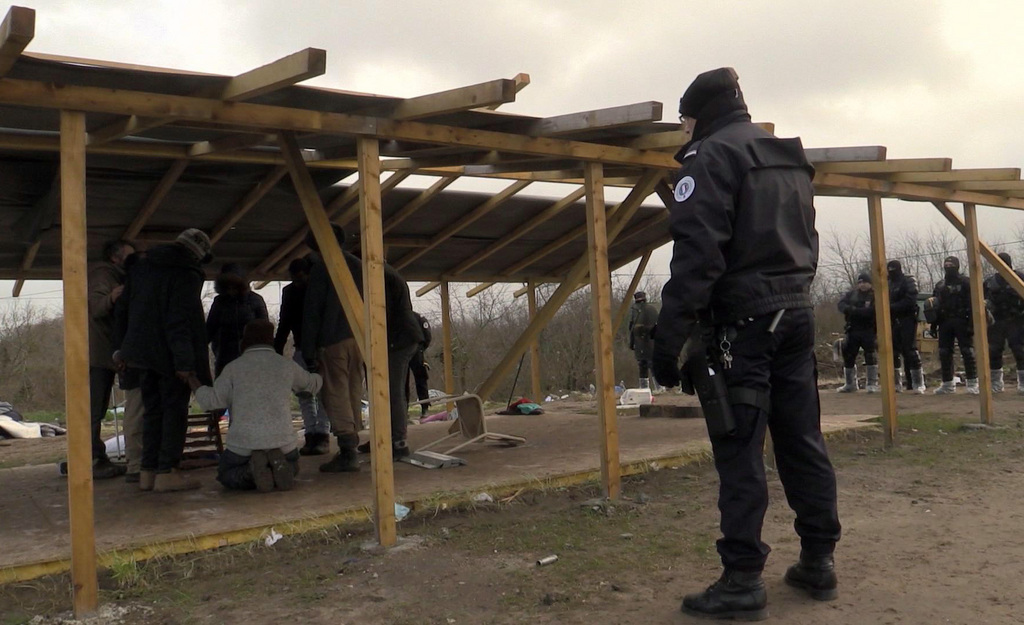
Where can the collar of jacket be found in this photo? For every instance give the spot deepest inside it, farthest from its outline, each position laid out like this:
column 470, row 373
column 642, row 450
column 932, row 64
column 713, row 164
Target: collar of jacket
column 702, row 133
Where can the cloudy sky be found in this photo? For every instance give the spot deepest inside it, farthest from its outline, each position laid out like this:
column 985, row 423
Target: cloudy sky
column 923, row 78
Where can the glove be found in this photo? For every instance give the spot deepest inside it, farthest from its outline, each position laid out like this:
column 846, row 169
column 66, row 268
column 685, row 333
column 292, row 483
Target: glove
column 935, row 330
column 664, row 361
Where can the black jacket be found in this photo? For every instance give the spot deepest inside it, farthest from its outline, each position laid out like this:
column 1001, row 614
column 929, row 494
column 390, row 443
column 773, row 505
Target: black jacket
column 902, row 297
column 954, row 299
column 228, row 316
column 293, row 300
column 1005, row 302
column 743, row 228
column 163, row 323
column 642, row 318
column 859, row 309
column 404, row 328
column 425, row 328
column 324, row 322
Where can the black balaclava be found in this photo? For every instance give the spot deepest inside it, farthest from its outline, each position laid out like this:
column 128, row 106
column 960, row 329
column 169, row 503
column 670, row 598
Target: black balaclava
column 895, row 270
column 1006, row 259
column 951, row 267
column 710, row 96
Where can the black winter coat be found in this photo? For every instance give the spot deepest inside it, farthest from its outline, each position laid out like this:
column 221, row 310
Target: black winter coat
column 324, row 322
column 902, row 297
column 227, row 318
column 293, row 301
column 954, row 299
column 163, row 322
column 1005, row 302
column 404, row 328
column 742, row 224
column 859, row 309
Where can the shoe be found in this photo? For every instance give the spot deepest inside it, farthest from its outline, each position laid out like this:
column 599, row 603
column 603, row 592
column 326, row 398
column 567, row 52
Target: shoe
column 146, row 480
column 997, row 381
column 972, row 386
column 364, row 448
column 736, row 595
column 898, row 379
column 851, row 380
column 173, row 482
column 872, row 385
column 282, row 472
column 309, row 448
column 345, row 461
column 262, row 475
column 816, row 575
column 322, row 447
column 131, row 478
column 104, row 469
column 947, row 388
column 399, row 449
column 917, row 381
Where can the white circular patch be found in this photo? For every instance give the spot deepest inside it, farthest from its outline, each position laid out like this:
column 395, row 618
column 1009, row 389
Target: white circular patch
column 684, row 188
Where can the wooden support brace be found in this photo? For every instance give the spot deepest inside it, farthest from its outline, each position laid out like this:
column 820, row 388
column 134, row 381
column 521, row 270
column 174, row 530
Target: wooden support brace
column 480, row 288
column 978, row 316
column 446, row 343
column 155, row 198
column 883, row 322
column 16, row 31
column 26, row 264
column 531, row 304
column 248, row 203
column 987, row 252
column 229, row 144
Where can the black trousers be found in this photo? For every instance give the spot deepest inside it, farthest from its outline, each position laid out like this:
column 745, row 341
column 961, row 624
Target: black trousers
column 904, row 343
column 164, row 421
column 1000, row 333
column 856, row 340
column 398, row 369
column 233, row 469
column 644, row 366
column 101, row 381
column 958, row 330
column 781, row 365
column 421, row 377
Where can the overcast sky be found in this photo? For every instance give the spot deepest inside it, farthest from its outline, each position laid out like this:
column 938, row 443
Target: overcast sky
column 924, row 79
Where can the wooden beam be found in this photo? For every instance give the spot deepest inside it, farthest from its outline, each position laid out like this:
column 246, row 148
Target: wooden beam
column 494, row 92
column 995, row 187
column 620, row 316
column 880, row 279
column 417, row 203
column 480, row 288
column 155, row 198
column 642, row 112
column 330, row 250
column 74, row 265
column 846, row 154
column 26, row 264
column 909, row 191
column 452, row 160
column 521, row 80
column 446, row 342
column 244, row 114
column 978, row 316
column 531, row 306
column 990, row 255
column 248, row 203
column 343, row 214
column 376, row 338
column 470, row 218
column 890, row 166
column 959, row 175
column 669, row 139
column 16, row 31
column 230, row 143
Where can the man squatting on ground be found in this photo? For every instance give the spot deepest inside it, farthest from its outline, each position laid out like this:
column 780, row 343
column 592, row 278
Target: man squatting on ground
column 738, row 184
column 106, row 284
column 261, row 451
column 315, row 424
column 953, row 323
column 1007, row 310
column 903, row 315
column 858, row 306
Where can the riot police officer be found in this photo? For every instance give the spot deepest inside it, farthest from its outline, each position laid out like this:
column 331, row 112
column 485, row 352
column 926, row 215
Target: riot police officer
column 858, row 306
column 1007, row 310
column 739, row 185
column 903, row 313
column 953, row 323
column 642, row 317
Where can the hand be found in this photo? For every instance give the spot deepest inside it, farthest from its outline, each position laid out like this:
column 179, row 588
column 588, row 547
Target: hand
column 193, row 382
column 119, row 363
column 665, row 365
column 935, row 330
column 426, row 365
column 116, row 292
column 313, row 366
column 184, row 375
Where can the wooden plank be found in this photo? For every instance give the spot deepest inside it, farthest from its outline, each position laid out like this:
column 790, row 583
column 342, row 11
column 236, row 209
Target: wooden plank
column 76, row 362
column 452, row 160
column 16, row 32
column 248, row 203
column 465, row 221
column 890, row 166
column 26, row 263
column 601, row 309
column 521, row 80
column 427, row 288
column 990, row 255
column 417, row 203
column 155, row 198
column 283, row 72
column 446, row 343
column 883, row 323
column 376, row 338
column 345, row 214
column 230, row 143
column 846, row 154
column 614, row 117
column 959, row 175
column 909, row 191
column 620, row 316
column 490, row 93
column 978, row 317
column 670, row 139
column 480, row 288
column 244, row 114
column 330, row 250
column 995, row 187
column 531, row 305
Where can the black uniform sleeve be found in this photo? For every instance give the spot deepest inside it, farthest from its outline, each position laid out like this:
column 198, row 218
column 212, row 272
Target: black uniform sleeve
column 908, row 302
column 313, row 309
column 284, row 322
column 844, row 305
column 181, row 308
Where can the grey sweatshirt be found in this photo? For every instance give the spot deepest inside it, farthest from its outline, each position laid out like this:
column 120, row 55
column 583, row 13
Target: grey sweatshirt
column 257, row 389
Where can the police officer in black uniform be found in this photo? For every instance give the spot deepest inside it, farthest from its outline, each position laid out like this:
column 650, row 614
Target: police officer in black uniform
column 739, row 185
column 858, row 306
column 903, row 313
column 1007, row 310
column 953, row 305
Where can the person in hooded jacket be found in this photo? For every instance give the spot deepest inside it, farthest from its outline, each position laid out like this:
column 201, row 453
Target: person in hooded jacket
column 903, row 314
column 642, row 318
column 858, row 306
column 1007, row 310
column 953, row 323
column 233, row 308
column 418, row 366
column 744, row 255
column 165, row 339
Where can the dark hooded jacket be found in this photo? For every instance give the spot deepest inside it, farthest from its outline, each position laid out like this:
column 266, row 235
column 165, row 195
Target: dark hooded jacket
column 1005, row 303
column 323, row 321
column 234, row 306
column 902, row 295
column 104, row 277
column 404, row 330
column 163, row 326
column 954, row 299
column 859, row 309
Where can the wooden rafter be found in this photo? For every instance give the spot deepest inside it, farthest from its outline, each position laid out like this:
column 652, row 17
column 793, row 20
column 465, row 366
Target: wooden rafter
column 522, row 81
column 26, row 264
column 890, row 166
column 417, row 203
column 491, row 93
column 614, row 117
column 910, row 191
column 155, row 198
column 230, row 144
column 990, row 254
column 248, row 202
column 16, row 31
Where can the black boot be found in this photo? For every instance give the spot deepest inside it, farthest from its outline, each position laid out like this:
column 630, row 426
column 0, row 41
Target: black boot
column 399, row 449
column 346, row 460
column 736, row 595
column 322, row 444
column 310, row 446
column 816, row 575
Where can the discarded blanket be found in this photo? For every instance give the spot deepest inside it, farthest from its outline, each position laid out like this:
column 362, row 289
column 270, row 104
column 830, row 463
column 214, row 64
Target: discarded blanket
column 522, row 406
column 9, row 428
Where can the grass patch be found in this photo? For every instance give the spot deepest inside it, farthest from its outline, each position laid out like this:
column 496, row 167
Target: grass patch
column 45, row 416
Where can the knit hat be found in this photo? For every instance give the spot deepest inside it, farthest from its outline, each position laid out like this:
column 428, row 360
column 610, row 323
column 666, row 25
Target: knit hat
column 864, row 277
column 1006, row 259
column 894, row 266
column 640, row 296
column 707, row 88
column 196, row 241
column 953, row 261
column 258, row 332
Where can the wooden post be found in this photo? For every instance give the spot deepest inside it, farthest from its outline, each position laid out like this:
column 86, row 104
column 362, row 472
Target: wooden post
column 978, row 312
column 372, row 244
column 531, row 299
column 76, row 361
column 883, row 322
column 446, row 342
column 601, row 298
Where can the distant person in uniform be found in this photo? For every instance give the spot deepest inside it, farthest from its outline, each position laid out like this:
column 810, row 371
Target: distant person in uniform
column 903, row 315
column 858, row 306
column 642, row 318
column 418, row 365
column 1007, row 310
column 953, row 304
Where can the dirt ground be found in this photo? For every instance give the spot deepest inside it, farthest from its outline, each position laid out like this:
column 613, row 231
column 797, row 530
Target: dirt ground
column 930, row 536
